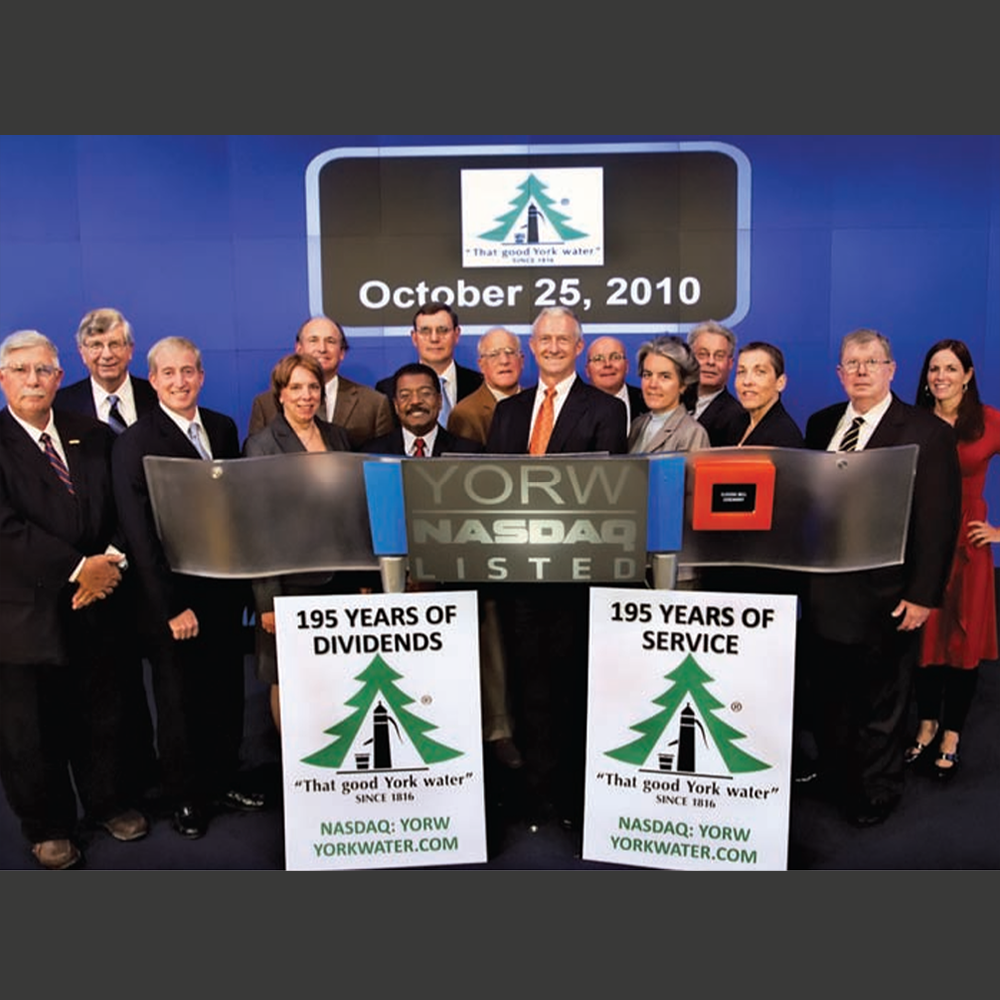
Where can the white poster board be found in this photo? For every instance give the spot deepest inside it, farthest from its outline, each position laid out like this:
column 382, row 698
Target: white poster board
column 689, row 729
column 381, row 731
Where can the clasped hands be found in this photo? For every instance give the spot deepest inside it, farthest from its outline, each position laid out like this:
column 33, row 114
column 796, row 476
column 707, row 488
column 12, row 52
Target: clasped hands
column 98, row 577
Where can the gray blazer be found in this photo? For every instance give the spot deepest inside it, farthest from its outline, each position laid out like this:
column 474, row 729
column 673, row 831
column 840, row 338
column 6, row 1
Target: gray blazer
column 681, row 432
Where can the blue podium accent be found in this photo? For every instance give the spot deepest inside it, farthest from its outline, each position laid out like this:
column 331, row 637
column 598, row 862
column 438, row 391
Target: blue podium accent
column 384, row 486
column 665, row 511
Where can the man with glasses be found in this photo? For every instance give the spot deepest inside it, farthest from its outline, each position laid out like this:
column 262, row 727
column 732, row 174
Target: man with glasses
column 501, row 361
column 865, row 625
column 118, row 398
column 360, row 410
column 710, row 402
column 606, row 368
column 62, row 710
column 110, row 393
column 435, row 335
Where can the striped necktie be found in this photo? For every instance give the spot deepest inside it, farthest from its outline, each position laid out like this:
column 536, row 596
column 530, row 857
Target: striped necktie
column 849, row 442
column 115, row 419
column 445, row 403
column 58, row 465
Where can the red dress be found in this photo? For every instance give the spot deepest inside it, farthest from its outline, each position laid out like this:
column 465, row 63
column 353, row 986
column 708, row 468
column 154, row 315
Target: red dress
column 963, row 631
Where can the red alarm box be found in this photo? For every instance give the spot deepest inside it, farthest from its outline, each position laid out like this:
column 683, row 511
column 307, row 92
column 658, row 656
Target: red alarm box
column 732, row 494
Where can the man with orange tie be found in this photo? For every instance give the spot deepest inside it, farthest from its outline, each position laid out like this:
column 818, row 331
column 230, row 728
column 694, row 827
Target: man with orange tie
column 546, row 624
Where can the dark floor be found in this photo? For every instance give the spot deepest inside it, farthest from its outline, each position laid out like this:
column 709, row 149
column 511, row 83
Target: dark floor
column 955, row 826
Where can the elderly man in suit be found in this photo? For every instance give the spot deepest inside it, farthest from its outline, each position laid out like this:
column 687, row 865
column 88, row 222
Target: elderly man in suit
column 361, row 411
column 191, row 625
column 606, row 368
column 546, row 626
column 865, row 625
column 435, row 336
column 110, row 392
column 501, row 361
column 710, row 401
column 61, row 666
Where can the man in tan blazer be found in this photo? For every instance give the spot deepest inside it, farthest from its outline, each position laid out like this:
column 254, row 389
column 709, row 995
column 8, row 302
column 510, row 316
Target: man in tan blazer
column 501, row 361
column 360, row 410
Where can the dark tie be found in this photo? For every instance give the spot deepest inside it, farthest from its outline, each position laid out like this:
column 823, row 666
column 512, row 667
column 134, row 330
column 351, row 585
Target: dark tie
column 543, row 424
column 57, row 463
column 849, row 442
column 196, row 441
column 419, row 448
column 115, row 419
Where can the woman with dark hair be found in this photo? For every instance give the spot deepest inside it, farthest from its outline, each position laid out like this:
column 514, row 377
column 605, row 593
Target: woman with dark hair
column 297, row 384
column 961, row 633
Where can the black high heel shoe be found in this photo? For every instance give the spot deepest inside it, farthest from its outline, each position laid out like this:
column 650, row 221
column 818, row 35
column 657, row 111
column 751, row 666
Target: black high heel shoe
column 912, row 753
column 946, row 773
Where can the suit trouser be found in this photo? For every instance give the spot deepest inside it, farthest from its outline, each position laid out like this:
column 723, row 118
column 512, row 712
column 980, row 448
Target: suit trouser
column 54, row 720
column 198, row 687
column 860, row 700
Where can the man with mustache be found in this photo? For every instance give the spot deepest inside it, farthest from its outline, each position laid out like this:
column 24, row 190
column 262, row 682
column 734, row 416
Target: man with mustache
column 417, row 400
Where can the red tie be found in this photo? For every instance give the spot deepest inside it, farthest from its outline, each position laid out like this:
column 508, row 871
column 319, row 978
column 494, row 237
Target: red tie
column 419, row 449
column 56, row 462
column 543, row 424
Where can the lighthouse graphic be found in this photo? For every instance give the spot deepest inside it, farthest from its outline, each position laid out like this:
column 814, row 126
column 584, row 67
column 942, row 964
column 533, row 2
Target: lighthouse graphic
column 688, row 708
column 380, row 699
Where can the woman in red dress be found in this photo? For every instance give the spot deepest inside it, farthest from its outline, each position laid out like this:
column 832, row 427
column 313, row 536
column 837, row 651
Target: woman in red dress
column 961, row 633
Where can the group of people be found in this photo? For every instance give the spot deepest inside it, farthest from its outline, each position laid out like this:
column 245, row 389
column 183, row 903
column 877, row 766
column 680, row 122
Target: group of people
column 81, row 554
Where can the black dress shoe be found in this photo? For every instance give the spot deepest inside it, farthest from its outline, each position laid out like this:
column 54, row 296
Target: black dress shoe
column 241, row 800
column 190, row 821
column 947, row 772
column 874, row 811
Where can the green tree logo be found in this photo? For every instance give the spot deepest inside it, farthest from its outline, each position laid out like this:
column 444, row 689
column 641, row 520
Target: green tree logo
column 379, row 678
column 689, row 682
column 532, row 201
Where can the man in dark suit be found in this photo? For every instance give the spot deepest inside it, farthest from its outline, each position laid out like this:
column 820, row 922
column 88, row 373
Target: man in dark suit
column 546, row 625
column 435, row 335
column 191, row 625
column 61, row 667
column 606, row 368
column 866, row 625
column 106, row 344
column 113, row 395
column 418, row 405
column 710, row 402
column 361, row 411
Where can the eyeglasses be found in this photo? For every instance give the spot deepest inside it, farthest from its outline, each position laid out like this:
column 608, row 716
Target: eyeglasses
column 500, row 352
column 599, row 359
column 24, row 371
column 854, row 366
column 719, row 357
column 97, row 346
column 424, row 395
column 429, row 331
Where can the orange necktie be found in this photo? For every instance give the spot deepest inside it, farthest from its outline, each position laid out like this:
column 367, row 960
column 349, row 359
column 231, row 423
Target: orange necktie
column 543, row 424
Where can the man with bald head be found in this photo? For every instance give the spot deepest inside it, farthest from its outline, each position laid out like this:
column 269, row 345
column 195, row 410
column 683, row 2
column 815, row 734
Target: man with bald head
column 606, row 368
column 360, row 410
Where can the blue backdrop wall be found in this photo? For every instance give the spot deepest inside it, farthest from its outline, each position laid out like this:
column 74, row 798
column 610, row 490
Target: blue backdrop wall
column 209, row 236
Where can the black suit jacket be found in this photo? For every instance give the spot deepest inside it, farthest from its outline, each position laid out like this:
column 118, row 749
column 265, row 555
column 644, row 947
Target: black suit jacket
column 637, row 405
column 79, row 397
column 45, row 532
column 278, row 438
column 776, row 429
column 468, row 381
column 445, row 443
column 724, row 418
column 164, row 593
column 855, row 607
column 590, row 421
